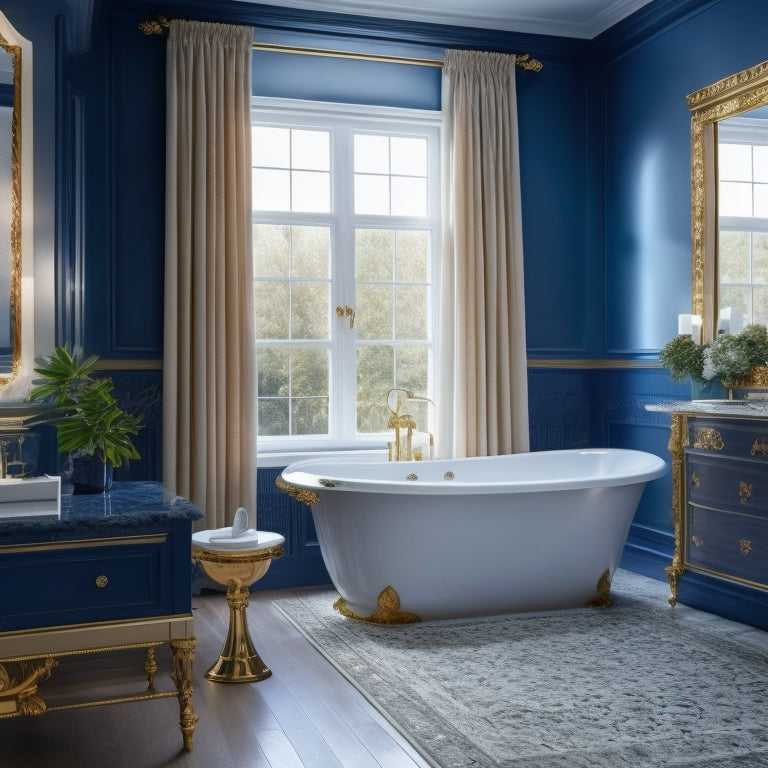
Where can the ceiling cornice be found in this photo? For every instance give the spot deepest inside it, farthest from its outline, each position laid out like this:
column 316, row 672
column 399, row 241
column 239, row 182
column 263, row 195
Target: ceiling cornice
column 406, row 10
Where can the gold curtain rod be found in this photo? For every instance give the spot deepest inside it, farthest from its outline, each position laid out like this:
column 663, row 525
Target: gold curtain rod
column 159, row 26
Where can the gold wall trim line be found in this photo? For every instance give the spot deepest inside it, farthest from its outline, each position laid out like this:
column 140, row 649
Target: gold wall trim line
column 592, row 363
column 159, row 26
column 129, row 365
column 55, row 546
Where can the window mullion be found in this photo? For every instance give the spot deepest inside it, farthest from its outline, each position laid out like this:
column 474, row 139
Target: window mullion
column 345, row 380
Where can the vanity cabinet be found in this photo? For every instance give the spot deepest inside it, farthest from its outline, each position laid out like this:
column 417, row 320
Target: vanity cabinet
column 720, row 508
column 113, row 574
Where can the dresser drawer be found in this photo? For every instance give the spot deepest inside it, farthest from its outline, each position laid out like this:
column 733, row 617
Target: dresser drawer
column 730, row 484
column 730, row 544
column 78, row 582
column 740, row 438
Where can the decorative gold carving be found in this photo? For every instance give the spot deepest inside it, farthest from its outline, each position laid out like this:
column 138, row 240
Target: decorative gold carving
column 677, row 438
column 745, row 546
column 745, row 491
column 525, row 61
column 759, row 447
column 235, row 557
column 602, row 597
column 726, row 98
column 695, row 482
column 708, row 438
column 183, row 652
column 697, row 540
column 754, row 378
column 18, row 685
column 156, row 26
column 150, row 667
column 304, row 495
column 388, row 611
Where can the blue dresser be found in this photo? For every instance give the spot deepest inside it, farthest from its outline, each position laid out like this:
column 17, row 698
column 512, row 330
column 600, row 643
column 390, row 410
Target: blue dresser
column 720, row 508
column 112, row 574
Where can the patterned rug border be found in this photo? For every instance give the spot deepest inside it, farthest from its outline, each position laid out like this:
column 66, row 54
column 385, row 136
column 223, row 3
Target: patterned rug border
column 443, row 744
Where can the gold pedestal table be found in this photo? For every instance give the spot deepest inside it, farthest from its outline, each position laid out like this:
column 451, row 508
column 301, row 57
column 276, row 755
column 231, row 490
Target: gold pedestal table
column 237, row 565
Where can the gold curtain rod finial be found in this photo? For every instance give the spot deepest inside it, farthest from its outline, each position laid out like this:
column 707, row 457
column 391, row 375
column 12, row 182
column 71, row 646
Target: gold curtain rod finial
column 157, row 26
column 525, row 61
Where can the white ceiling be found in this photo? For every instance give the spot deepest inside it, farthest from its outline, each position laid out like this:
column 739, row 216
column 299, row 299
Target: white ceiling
column 568, row 18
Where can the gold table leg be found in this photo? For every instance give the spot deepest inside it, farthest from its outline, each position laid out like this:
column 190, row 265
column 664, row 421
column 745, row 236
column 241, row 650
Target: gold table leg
column 239, row 662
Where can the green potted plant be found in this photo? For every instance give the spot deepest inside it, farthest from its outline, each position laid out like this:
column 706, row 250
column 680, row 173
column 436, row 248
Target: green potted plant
column 91, row 427
column 721, row 363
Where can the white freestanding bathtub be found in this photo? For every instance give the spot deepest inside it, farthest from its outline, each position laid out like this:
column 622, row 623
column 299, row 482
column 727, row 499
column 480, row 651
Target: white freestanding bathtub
column 409, row 541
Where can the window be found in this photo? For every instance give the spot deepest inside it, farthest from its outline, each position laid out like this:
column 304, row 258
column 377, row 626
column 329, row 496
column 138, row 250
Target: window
column 743, row 218
column 345, row 232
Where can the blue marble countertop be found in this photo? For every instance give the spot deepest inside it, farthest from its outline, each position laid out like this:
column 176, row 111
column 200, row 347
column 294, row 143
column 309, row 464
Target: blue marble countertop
column 746, row 407
column 129, row 506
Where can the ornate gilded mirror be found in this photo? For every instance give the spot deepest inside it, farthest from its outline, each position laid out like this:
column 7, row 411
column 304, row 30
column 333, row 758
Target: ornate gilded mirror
column 729, row 199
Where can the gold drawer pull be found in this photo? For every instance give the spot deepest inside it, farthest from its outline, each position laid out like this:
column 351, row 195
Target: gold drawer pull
column 745, row 546
column 709, row 439
column 102, row 581
column 745, row 491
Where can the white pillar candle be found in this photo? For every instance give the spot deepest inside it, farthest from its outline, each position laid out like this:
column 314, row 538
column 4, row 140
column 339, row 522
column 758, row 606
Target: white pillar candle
column 696, row 325
column 684, row 324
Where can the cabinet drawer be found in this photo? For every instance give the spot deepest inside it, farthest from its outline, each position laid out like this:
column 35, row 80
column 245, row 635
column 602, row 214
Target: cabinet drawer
column 741, row 486
column 740, row 438
column 730, row 544
column 78, row 582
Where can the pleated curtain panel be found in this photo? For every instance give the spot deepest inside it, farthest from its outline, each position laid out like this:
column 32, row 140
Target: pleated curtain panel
column 482, row 396
column 209, row 367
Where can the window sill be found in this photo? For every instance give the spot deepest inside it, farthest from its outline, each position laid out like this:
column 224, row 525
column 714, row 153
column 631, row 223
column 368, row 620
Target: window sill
column 284, row 458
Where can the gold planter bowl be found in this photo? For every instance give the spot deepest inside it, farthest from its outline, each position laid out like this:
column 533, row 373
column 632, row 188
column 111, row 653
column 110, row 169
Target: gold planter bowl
column 754, row 378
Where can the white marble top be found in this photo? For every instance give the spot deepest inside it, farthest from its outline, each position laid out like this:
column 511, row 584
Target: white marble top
column 747, row 407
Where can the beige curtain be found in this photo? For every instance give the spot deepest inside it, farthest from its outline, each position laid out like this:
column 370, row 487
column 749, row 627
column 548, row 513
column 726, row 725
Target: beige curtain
column 482, row 375
column 209, row 369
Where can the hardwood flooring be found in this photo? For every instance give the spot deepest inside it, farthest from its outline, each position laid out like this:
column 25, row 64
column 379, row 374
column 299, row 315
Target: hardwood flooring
column 305, row 716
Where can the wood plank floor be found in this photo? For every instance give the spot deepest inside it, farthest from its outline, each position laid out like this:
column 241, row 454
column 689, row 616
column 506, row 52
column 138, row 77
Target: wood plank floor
column 305, row 715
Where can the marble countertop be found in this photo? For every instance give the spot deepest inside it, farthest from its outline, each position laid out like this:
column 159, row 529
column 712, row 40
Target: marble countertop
column 127, row 507
column 747, row 407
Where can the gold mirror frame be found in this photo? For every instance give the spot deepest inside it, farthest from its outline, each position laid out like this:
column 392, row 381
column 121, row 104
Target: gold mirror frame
column 15, row 233
column 726, row 98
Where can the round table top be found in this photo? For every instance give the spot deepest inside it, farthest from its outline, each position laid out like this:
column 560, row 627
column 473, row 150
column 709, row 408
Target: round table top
column 246, row 543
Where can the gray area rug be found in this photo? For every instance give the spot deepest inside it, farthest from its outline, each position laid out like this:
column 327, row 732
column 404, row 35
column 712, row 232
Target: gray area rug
column 635, row 685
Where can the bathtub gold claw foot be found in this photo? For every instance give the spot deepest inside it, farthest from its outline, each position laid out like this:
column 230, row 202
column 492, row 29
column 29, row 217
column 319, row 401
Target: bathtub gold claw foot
column 388, row 611
column 602, row 598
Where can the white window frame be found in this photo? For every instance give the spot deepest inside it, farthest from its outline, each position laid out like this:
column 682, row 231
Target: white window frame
column 344, row 120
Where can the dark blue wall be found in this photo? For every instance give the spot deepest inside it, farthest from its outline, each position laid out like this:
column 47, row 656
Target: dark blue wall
column 605, row 167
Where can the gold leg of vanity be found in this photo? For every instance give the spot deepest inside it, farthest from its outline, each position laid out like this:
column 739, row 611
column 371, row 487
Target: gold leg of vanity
column 183, row 652
column 676, row 450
